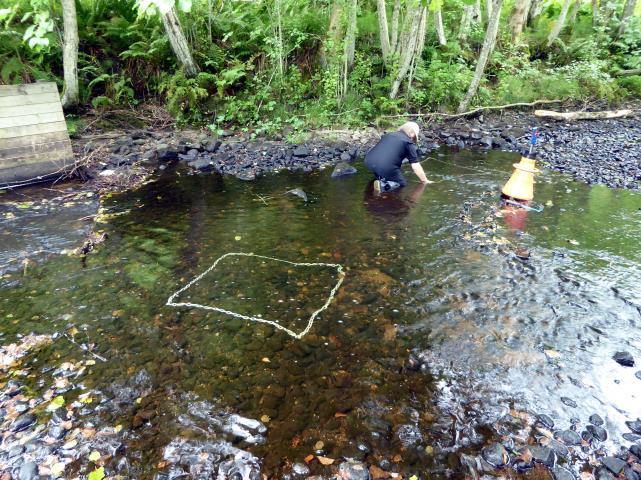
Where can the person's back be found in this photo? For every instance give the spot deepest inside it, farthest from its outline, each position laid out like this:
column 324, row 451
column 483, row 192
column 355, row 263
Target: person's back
column 386, row 158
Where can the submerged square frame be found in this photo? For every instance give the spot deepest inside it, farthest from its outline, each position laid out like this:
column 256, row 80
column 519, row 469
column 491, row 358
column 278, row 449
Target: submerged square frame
column 171, row 301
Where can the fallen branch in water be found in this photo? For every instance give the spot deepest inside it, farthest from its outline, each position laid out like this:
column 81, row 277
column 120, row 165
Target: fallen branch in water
column 476, row 110
column 582, row 115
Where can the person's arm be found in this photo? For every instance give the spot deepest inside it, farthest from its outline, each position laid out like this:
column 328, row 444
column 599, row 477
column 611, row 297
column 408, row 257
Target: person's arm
column 420, row 173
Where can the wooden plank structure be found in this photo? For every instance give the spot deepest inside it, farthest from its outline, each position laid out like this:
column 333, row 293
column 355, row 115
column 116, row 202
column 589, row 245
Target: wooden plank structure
column 34, row 142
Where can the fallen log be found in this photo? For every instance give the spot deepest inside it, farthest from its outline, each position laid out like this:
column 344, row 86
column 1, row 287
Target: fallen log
column 582, row 115
column 627, row 73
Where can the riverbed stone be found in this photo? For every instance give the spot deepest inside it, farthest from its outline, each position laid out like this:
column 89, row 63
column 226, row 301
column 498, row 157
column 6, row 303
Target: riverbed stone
column 596, row 420
column 353, row 471
column 631, row 437
column 28, row 471
column 624, row 358
column 545, row 420
column 630, row 474
column 598, row 432
column 541, row 454
column 638, row 374
column 614, row 464
column 569, row 402
column 495, row 455
column 569, row 437
column 300, row 469
column 635, row 426
column 23, row 422
column 636, row 450
column 560, row 473
column 603, row 474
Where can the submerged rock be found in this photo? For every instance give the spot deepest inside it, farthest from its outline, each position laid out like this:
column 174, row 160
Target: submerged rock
column 23, row 422
column 353, row 471
column 614, row 464
column 560, row 473
column 569, row 437
column 624, row 358
column 596, row 420
column 543, row 455
column 342, row 169
column 545, row 420
column 635, row 426
column 495, row 455
column 598, row 432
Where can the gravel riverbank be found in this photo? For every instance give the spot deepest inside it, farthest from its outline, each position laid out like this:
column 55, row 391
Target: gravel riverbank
column 596, row 151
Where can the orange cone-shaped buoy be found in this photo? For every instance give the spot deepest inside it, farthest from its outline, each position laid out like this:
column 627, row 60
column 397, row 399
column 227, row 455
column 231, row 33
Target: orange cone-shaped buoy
column 521, row 184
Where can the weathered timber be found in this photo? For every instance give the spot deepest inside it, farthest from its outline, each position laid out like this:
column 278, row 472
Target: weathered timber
column 582, row 115
column 34, row 142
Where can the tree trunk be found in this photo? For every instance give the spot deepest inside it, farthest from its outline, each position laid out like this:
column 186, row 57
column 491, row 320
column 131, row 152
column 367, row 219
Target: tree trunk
column 407, row 50
column 420, row 44
column 350, row 35
column 560, row 22
column 382, row 29
column 333, row 33
column 395, row 19
column 628, row 11
column 518, row 17
column 488, row 8
column 70, row 97
column 486, row 50
column 536, row 8
column 574, row 12
column 466, row 21
column 595, row 13
column 477, row 15
column 179, row 42
column 440, row 31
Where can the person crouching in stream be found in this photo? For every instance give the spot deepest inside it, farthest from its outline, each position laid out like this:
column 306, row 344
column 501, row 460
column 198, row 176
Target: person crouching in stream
column 385, row 159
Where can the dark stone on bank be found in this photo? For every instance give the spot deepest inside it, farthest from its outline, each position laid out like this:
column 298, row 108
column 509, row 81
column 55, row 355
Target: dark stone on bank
column 638, row 374
column 495, row 455
column 202, row 164
column 23, row 422
column 636, row 450
column 631, row 437
column 569, row 402
column 560, row 473
column 624, row 358
column 596, row 420
column 598, row 432
column 342, row 169
column 614, row 464
column 301, row 151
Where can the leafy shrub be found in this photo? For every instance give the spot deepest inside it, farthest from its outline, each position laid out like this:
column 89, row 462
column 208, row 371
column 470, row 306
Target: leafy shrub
column 632, row 85
column 184, row 97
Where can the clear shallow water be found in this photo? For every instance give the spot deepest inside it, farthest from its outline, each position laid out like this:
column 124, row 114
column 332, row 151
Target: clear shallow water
column 429, row 272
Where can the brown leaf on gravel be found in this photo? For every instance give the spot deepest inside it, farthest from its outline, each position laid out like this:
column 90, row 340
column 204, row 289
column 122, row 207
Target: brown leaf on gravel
column 378, row 473
column 295, row 441
column 340, row 415
column 309, row 458
column 325, row 460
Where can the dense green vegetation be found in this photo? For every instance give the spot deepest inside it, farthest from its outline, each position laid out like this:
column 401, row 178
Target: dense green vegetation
column 274, row 64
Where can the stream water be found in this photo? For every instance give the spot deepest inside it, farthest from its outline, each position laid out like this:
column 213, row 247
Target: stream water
column 455, row 313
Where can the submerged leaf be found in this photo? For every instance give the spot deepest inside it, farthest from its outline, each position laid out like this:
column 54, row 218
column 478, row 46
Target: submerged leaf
column 97, row 474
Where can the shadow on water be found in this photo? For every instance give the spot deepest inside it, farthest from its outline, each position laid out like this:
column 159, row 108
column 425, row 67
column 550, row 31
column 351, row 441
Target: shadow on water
column 435, row 280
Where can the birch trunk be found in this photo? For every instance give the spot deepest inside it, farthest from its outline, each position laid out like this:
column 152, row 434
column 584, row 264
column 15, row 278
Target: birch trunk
column 70, row 97
column 382, row 29
column 350, row 35
column 466, row 21
column 486, row 50
column 440, row 31
column 518, row 17
column 560, row 22
column 477, row 15
column 408, row 50
column 420, row 44
column 488, row 9
column 333, row 33
column 536, row 7
column 179, row 42
column 574, row 12
column 395, row 19
column 628, row 11
column 595, row 13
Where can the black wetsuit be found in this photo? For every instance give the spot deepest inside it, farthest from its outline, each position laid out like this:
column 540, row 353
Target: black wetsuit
column 385, row 159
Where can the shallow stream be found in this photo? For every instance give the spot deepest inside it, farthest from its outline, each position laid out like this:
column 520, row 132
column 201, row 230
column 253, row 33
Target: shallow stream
column 455, row 313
